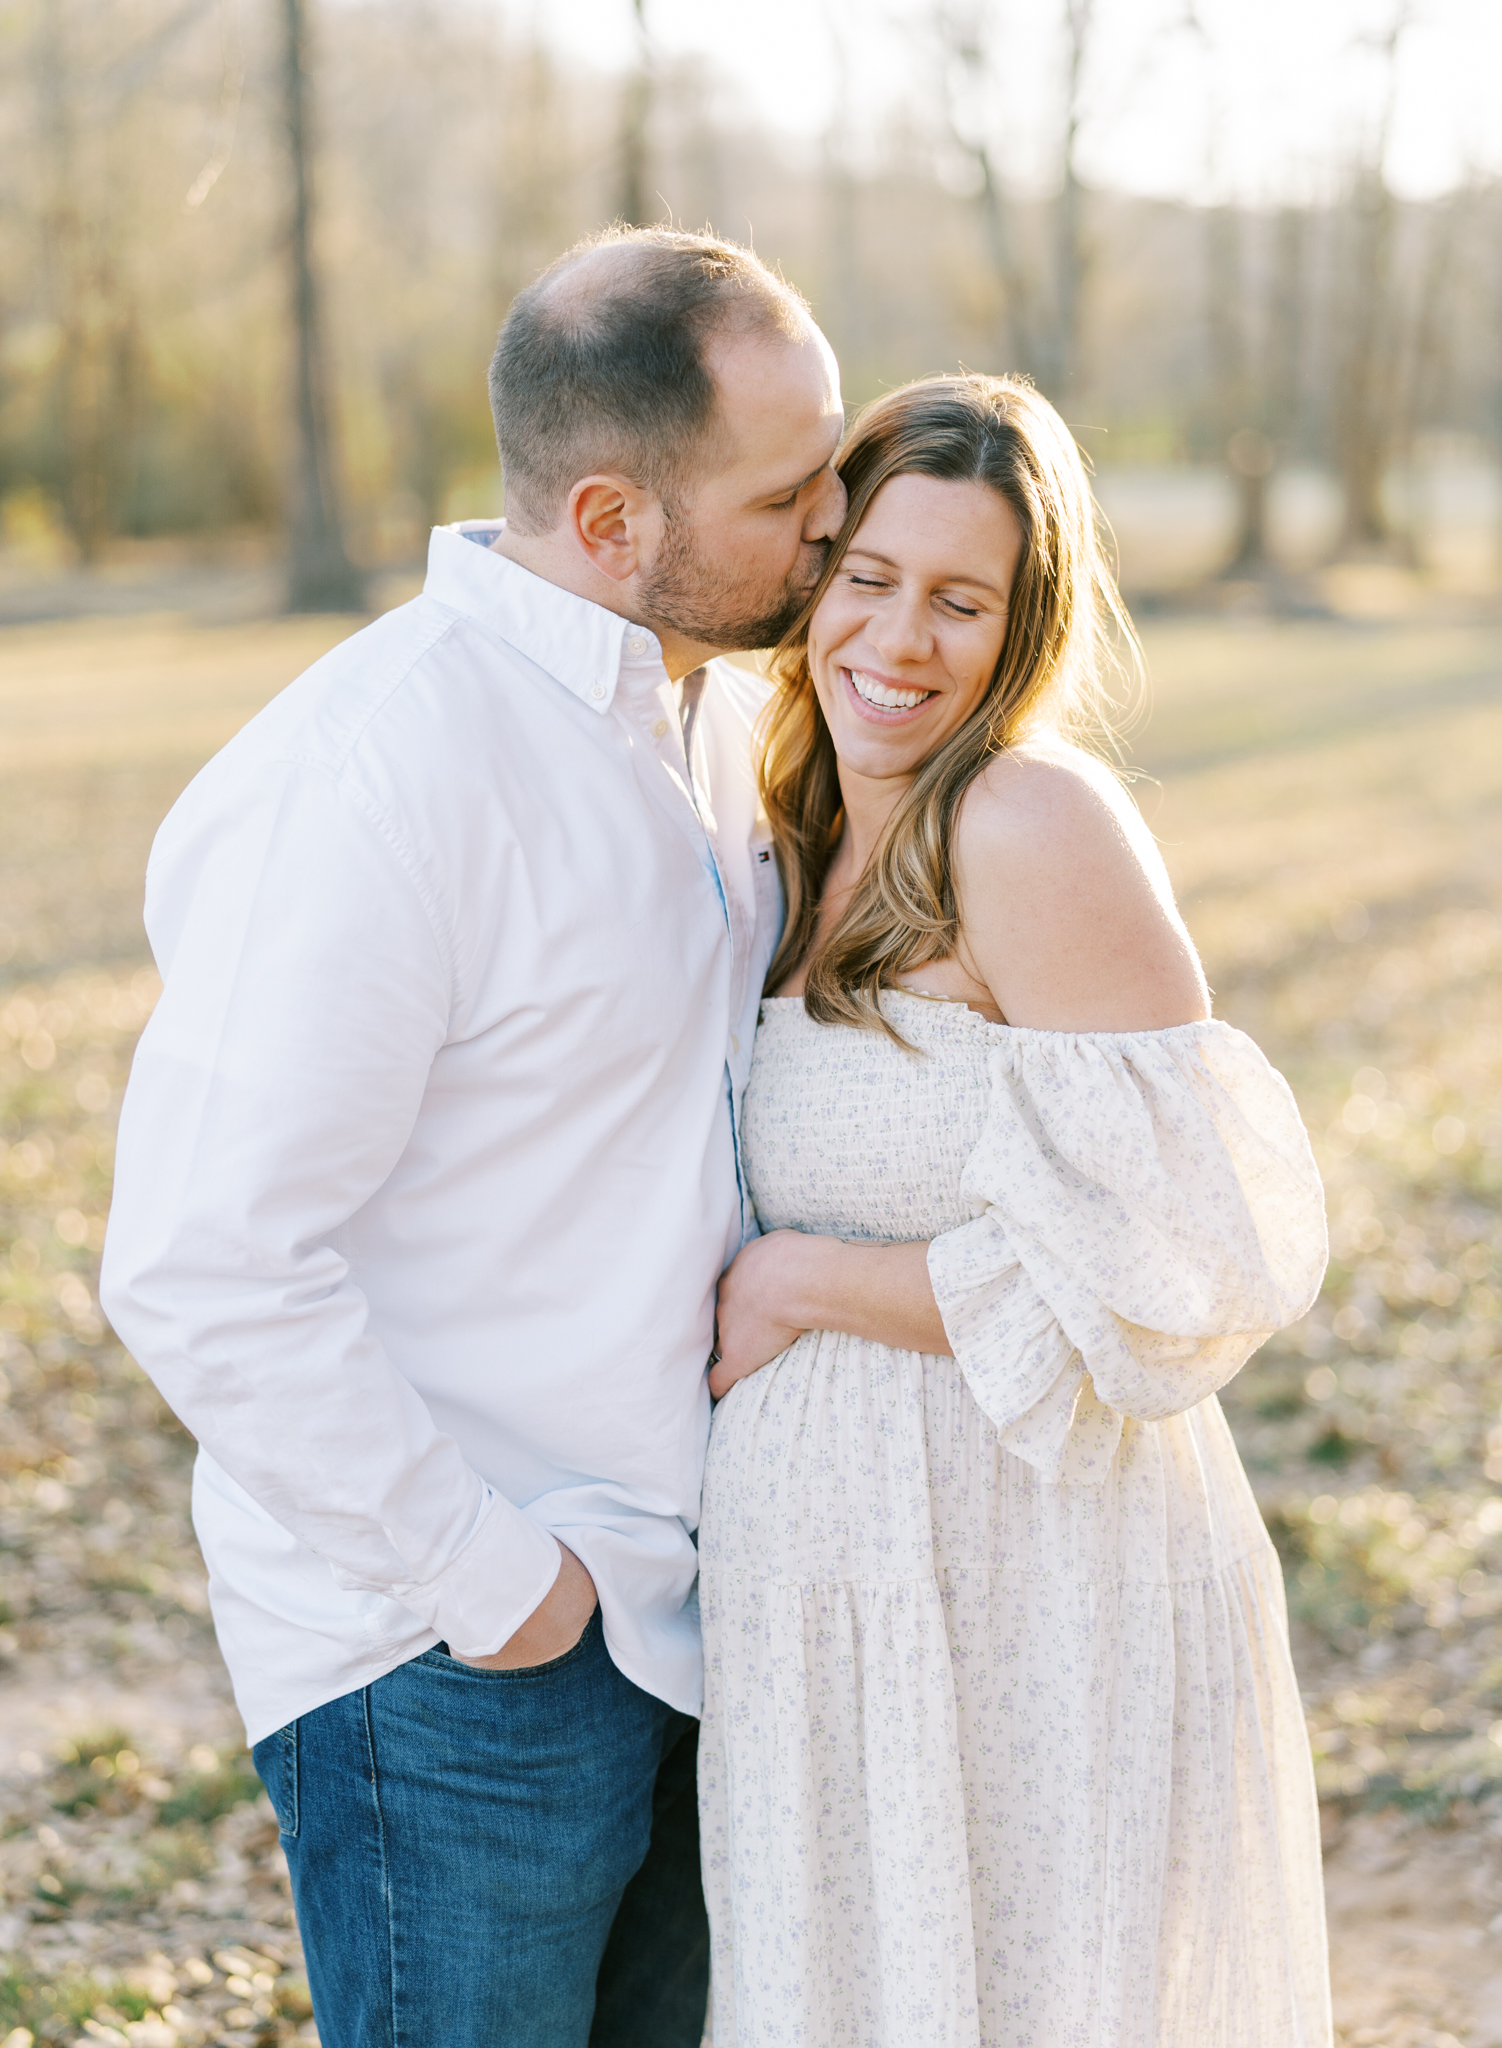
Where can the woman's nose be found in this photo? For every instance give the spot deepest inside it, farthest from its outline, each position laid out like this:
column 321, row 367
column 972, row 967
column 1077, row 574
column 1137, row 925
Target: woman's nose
column 899, row 630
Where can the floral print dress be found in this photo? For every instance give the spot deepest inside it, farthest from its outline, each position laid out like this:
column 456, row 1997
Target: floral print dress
column 1002, row 1746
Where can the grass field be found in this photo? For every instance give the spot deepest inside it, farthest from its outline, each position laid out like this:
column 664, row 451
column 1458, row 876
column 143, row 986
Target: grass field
column 1328, row 798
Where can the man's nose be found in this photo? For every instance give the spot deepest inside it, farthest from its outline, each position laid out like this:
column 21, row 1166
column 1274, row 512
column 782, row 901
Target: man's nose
column 826, row 514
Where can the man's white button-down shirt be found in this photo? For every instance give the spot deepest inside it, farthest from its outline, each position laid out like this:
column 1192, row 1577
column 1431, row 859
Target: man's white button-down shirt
column 427, row 1167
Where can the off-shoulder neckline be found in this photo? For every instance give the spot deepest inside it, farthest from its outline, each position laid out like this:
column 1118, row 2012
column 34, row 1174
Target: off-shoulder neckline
column 972, row 1019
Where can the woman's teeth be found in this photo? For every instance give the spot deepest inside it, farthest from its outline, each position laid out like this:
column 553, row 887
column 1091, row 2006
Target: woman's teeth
column 882, row 695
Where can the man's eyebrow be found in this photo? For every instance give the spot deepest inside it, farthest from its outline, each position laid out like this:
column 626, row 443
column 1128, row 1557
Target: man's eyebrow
column 975, row 582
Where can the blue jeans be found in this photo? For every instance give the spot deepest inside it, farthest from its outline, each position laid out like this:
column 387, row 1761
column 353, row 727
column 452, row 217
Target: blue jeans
column 496, row 1859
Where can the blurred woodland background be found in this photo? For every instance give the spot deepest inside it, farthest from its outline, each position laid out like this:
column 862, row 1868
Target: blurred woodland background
column 184, row 174
column 253, row 255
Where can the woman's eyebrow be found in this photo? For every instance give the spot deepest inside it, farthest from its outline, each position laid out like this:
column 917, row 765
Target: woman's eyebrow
column 975, row 582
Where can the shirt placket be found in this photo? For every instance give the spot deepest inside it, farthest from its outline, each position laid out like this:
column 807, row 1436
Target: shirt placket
column 672, row 739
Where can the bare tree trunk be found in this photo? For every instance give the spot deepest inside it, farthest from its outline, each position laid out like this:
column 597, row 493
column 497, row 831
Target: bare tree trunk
column 841, row 222
column 1225, row 329
column 964, row 58
column 847, row 324
column 1429, row 356
column 636, row 116
column 1069, row 245
column 1262, row 408
column 321, row 577
column 1363, row 413
column 1017, row 348
column 1285, row 329
column 1366, row 425
column 1237, row 402
column 74, row 401
column 1250, row 455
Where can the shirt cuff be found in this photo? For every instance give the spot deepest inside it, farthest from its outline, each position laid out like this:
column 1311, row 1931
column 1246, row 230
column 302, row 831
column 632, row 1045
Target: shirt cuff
column 503, row 1574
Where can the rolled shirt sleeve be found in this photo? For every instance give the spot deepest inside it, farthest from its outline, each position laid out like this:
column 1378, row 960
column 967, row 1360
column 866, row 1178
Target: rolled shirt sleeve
column 308, row 988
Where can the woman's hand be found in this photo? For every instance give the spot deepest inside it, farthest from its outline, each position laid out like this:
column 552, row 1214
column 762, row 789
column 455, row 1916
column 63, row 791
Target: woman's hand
column 755, row 1316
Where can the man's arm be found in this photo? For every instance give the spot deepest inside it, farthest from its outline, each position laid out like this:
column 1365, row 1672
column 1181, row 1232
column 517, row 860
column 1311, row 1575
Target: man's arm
column 307, row 993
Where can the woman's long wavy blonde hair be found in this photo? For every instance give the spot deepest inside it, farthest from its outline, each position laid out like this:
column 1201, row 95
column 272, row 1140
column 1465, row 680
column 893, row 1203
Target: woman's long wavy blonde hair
column 1067, row 635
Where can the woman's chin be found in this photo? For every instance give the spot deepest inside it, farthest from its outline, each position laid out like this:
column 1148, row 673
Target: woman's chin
column 879, row 756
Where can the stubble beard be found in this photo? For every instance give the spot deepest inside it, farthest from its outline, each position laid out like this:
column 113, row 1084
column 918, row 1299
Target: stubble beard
column 683, row 592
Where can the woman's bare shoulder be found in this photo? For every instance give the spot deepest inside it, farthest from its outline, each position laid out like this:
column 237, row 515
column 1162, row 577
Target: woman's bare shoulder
column 1045, row 786
column 1065, row 900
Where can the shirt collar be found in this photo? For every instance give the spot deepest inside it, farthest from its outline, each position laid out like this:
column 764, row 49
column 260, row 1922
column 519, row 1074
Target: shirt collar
column 579, row 643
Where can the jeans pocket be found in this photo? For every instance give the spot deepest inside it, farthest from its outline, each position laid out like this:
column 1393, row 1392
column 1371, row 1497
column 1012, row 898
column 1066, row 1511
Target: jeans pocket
column 440, row 1657
column 275, row 1759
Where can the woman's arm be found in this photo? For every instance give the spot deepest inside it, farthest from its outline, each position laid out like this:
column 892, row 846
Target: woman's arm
column 788, row 1282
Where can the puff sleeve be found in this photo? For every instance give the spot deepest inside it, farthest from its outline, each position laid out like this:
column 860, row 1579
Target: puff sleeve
column 1147, row 1213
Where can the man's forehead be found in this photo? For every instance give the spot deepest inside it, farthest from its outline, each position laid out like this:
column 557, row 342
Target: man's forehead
column 751, row 362
column 780, row 401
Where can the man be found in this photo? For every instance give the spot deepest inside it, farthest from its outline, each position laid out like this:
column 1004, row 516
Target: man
column 428, row 1168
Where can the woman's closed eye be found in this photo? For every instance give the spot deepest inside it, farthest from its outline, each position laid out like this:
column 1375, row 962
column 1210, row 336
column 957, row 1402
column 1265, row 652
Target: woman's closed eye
column 951, row 604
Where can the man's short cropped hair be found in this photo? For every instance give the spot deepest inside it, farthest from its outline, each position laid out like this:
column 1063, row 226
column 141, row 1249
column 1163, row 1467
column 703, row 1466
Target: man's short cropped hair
column 600, row 363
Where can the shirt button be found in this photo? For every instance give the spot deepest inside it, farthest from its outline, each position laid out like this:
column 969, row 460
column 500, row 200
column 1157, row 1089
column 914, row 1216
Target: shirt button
column 598, row 692
column 659, row 729
column 636, row 645
column 735, row 1044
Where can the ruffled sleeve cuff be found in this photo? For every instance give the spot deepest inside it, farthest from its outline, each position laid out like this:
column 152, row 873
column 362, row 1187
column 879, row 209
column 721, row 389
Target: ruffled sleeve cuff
column 1148, row 1213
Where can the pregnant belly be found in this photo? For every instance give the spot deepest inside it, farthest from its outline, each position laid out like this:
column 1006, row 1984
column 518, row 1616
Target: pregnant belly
column 845, row 1459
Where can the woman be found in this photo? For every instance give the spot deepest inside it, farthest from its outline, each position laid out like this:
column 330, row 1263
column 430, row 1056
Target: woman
column 1002, row 1744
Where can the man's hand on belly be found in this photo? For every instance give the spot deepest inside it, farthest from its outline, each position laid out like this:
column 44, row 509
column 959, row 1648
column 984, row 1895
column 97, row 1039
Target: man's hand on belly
column 552, row 1629
column 752, row 1320
column 790, row 1281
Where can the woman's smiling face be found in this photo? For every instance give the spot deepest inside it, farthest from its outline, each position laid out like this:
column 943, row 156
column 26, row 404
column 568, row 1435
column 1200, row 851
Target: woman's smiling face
column 904, row 642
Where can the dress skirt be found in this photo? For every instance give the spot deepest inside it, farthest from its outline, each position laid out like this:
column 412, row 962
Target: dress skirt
column 989, row 1760
column 1002, row 1746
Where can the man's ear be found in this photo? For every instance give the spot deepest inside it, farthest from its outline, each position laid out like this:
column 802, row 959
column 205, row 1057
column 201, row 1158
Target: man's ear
column 609, row 517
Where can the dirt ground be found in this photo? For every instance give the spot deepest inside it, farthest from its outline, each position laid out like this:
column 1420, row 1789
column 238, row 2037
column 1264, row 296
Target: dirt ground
column 1327, row 794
